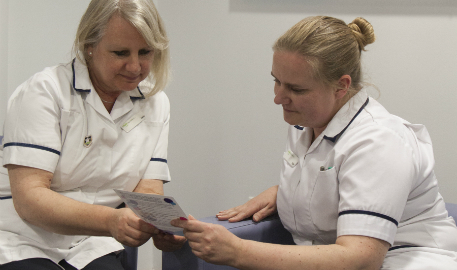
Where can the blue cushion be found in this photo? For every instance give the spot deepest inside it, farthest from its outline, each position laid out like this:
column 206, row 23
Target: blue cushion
column 129, row 258
column 452, row 210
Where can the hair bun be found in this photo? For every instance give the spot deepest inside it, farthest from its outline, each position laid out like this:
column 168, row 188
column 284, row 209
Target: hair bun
column 362, row 31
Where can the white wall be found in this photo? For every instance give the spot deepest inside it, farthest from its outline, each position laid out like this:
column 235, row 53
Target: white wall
column 3, row 59
column 227, row 136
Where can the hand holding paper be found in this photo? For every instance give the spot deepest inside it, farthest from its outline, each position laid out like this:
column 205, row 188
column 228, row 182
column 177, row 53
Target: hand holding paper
column 155, row 209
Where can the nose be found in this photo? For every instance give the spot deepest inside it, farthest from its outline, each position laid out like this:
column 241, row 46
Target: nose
column 281, row 97
column 133, row 64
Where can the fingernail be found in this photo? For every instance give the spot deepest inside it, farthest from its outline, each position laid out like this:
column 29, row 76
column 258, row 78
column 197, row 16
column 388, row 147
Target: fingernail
column 182, row 218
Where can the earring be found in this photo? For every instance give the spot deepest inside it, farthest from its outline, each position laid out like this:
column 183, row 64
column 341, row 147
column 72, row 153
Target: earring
column 90, row 53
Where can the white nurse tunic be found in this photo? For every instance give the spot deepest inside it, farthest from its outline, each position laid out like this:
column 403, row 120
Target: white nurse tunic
column 369, row 173
column 57, row 122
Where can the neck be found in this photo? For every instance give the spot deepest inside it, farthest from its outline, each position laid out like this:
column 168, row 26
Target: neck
column 107, row 100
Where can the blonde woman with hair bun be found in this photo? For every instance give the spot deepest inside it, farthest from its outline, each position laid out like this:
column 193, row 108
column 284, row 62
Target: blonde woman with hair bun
column 357, row 188
column 75, row 132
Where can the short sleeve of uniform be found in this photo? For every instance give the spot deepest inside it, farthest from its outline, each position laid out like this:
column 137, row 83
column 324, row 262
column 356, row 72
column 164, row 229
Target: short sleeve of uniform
column 158, row 164
column 32, row 134
column 375, row 178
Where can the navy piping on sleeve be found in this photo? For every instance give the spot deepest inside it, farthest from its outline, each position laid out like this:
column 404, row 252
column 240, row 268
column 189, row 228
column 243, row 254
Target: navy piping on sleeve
column 32, row 146
column 403, row 246
column 6, row 198
column 159, row 159
column 370, row 214
column 298, row 127
column 335, row 138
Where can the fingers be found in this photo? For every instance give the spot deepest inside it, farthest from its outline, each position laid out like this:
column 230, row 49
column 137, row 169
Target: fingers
column 234, row 214
column 140, row 225
column 167, row 242
column 263, row 213
column 260, row 207
column 191, row 225
column 178, row 223
column 129, row 229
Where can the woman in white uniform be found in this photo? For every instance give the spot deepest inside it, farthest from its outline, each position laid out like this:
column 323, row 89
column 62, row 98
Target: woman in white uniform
column 357, row 188
column 76, row 131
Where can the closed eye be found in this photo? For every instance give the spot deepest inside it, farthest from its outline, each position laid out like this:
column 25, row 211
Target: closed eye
column 297, row 90
column 121, row 53
column 144, row 52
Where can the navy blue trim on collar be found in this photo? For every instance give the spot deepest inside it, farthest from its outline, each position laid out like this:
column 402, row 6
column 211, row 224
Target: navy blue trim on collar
column 159, row 159
column 402, row 246
column 6, row 198
column 136, row 98
column 74, row 79
column 362, row 212
column 32, row 146
column 298, row 127
column 88, row 90
column 334, row 139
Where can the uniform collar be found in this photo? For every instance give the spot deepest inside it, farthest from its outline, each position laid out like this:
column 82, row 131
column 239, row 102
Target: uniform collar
column 345, row 116
column 82, row 82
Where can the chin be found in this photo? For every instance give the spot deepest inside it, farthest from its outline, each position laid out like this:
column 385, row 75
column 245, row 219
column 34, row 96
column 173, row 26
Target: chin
column 128, row 87
column 291, row 122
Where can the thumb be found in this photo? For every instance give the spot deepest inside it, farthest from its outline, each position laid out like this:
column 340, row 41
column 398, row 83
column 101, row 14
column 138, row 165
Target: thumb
column 191, row 217
column 261, row 214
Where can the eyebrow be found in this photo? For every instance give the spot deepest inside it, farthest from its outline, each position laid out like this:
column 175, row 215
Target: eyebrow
column 289, row 85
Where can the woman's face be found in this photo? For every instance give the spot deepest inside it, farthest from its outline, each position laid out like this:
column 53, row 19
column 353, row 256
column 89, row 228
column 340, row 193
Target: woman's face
column 121, row 60
column 305, row 101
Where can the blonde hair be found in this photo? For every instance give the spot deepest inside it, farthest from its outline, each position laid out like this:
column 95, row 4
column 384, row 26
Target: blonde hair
column 143, row 15
column 331, row 47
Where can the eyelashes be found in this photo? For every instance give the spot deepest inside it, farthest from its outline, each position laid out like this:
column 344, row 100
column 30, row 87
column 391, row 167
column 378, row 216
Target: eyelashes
column 291, row 88
column 127, row 53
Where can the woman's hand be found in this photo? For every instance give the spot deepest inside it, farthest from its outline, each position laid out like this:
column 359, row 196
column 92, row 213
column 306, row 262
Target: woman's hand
column 168, row 242
column 128, row 229
column 210, row 242
column 260, row 207
column 162, row 241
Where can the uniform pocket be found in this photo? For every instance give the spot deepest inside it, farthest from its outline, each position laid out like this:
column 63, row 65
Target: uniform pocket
column 325, row 200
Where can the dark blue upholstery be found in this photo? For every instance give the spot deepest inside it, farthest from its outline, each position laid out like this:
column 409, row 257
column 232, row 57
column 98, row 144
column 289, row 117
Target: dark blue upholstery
column 129, row 258
column 452, row 210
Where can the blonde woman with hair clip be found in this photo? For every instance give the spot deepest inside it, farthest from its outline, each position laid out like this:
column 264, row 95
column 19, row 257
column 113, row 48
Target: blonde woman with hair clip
column 77, row 131
column 357, row 188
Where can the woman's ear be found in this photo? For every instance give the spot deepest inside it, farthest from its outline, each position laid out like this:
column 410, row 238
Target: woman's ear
column 88, row 49
column 343, row 86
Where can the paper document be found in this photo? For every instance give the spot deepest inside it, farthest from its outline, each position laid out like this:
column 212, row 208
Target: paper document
column 157, row 210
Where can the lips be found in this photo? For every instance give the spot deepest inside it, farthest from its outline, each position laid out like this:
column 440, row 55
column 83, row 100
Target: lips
column 131, row 78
